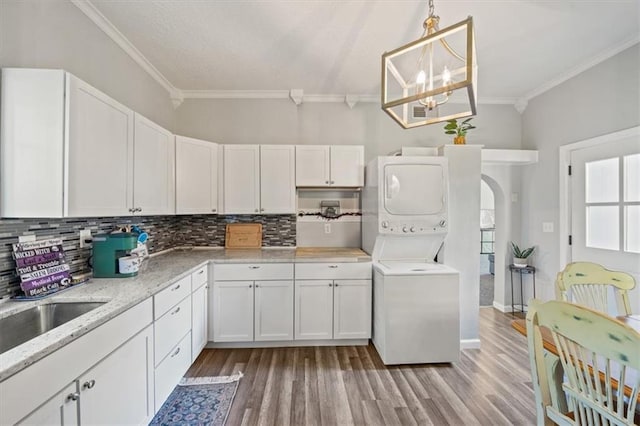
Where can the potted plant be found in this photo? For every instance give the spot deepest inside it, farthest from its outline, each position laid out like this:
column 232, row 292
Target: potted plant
column 520, row 256
column 458, row 129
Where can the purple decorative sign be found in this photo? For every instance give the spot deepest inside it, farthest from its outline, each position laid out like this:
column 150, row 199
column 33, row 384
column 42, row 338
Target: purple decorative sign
column 29, row 261
column 41, row 266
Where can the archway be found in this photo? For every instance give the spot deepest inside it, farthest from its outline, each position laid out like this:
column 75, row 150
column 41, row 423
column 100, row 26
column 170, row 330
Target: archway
column 487, row 244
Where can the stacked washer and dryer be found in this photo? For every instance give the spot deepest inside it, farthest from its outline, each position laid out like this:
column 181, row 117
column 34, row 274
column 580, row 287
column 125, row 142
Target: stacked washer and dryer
column 416, row 301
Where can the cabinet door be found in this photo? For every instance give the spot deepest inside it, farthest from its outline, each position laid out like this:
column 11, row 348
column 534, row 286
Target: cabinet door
column 241, row 179
column 277, row 179
column 233, row 311
column 313, row 309
column 153, row 169
column 352, row 309
column 98, row 171
column 312, row 165
column 199, row 321
column 119, row 389
column 347, row 165
column 196, row 176
column 273, row 310
column 62, row 409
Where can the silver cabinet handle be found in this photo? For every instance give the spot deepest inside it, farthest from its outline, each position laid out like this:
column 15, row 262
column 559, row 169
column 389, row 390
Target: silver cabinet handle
column 330, row 285
column 176, row 352
column 335, row 285
column 131, row 210
column 175, row 288
column 73, row 396
column 333, row 266
column 250, row 286
column 88, row 385
column 254, row 267
column 201, row 271
column 176, row 311
column 257, row 285
column 326, row 181
column 256, row 210
column 261, row 210
column 213, row 210
column 332, row 182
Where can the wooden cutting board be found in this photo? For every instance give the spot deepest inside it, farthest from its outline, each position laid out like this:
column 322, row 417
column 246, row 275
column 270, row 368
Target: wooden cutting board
column 243, row 235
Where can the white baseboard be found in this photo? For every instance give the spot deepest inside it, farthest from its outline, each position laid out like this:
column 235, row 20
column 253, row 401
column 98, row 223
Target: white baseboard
column 287, row 343
column 501, row 307
column 470, row 344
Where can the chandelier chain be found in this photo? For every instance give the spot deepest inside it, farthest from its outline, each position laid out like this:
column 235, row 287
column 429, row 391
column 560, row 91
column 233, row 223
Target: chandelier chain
column 431, row 8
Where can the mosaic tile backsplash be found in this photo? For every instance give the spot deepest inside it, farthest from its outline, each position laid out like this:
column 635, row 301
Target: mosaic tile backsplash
column 164, row 232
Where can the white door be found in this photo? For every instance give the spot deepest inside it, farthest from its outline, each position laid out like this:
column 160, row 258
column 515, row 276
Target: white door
column 199, row 320
column 605, row 206
column 196, row 176
column 273, row 310
column 312, row 165
column 233, row 311
column 61, row 410
column 153, row 168
column 347, row 165
column 99, row 164
column 119, row 389
column 313, row 309
column 352, row 309
column 241, row 179
column 414, row 189
column 277, row 179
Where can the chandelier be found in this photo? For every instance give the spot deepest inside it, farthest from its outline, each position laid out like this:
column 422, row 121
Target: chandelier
column 427, row 81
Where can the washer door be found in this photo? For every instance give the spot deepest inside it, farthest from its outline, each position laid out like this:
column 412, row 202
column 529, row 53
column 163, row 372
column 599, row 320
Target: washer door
column 414, row 189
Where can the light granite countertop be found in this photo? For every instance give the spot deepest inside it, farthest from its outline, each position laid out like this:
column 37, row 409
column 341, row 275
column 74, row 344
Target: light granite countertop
column 156, row 274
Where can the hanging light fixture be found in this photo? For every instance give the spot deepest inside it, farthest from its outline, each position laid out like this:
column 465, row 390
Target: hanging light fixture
column 427, row 81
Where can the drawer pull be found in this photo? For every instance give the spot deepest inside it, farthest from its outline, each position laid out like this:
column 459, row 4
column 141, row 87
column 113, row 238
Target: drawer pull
column 177, row 351
column 250, row 286
column 176, row 288
column 176, row 311
column 335, row 285
column 88, row 385
column 254, row 267
column 201, row 271
column 333, row 266
column 330, row 285
column 73, row 396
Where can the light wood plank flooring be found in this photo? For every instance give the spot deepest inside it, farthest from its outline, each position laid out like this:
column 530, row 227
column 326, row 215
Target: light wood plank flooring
column 350, row 385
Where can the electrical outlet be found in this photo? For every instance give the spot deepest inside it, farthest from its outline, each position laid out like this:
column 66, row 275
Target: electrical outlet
column 547, row 226
column 85, row 234
column 327, row 228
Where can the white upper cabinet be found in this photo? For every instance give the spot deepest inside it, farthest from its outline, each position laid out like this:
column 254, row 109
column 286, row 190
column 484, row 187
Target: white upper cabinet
column 241, row 179
column 99, row 164
column 196, row 176
column 154, row 168
column 336, row 165
column 259, row 179
column 277, row 179
column 312, row 165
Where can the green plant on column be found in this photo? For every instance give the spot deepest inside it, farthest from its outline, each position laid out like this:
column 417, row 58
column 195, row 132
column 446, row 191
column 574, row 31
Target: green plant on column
column 458, row 129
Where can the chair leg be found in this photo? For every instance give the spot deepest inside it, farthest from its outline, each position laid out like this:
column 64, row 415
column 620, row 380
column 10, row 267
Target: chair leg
column 554, row 369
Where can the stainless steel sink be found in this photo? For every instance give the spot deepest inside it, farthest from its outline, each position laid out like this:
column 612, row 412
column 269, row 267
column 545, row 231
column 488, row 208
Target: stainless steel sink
column 23, row 326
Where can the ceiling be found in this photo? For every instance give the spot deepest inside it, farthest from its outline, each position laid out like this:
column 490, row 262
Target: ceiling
column 334, row 47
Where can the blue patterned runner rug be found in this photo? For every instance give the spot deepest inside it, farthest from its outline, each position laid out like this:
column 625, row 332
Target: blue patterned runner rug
column 198, row 401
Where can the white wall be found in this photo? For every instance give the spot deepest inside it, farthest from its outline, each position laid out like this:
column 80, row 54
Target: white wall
column 282, row 122
column 601, row 100
column 56, row 34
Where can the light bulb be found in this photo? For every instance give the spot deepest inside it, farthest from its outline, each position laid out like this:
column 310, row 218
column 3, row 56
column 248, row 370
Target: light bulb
column 421, row 78
column 446, row 76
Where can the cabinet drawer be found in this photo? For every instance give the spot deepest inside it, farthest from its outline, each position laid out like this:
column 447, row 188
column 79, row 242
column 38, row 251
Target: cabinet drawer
column 253, row 271
column 199, row 278
column 170, row 328
column 171, row 295
column 314, row 271
column 172, row 368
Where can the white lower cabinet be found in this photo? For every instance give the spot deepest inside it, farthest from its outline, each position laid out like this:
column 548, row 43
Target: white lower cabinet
column 252, row 302
column 336, row 307
column 119, row 390
column 62, row 409
column 171, row 369
column 199, row 320
column 273, row 310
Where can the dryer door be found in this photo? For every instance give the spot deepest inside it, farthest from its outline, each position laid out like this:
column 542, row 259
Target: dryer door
column 414, row 189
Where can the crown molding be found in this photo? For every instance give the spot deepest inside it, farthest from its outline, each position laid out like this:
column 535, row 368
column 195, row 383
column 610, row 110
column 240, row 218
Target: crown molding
column 236, row 94
column 601, row 57
column 110, row 30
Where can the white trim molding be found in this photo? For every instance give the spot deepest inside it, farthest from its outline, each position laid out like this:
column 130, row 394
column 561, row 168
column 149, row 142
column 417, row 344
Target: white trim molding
column 470, row 344
column 110, row 30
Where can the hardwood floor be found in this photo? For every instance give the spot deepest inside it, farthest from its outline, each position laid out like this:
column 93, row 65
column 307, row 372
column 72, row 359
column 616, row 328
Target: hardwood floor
column 350, row 385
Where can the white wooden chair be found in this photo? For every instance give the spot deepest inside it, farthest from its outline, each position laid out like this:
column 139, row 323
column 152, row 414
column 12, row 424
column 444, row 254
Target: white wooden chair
column 585, row 338
column 589, row 284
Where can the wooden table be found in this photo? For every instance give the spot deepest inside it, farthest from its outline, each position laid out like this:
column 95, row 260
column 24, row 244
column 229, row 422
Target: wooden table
column 520, row 325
